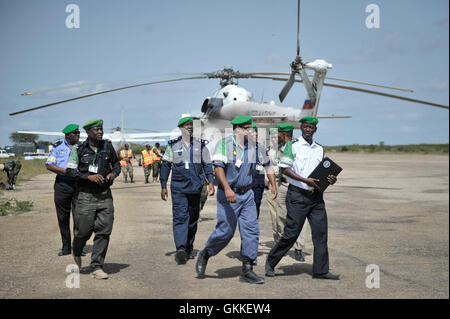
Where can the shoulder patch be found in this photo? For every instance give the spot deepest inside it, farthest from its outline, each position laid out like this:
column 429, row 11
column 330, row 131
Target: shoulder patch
column 174, row 140
column 57, row 144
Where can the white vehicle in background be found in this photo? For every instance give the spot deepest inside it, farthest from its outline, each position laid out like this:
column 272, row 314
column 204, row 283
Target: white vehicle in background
column 34, row 155
column 5, row 154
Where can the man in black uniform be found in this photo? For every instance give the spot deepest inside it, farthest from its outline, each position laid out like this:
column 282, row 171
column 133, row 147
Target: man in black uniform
column 64, row 187
column 95, row 165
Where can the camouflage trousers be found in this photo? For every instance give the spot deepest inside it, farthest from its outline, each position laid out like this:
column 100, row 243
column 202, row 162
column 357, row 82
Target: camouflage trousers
column 127, row 170
column 94, row 213
column 147, row 171
column 156, row 169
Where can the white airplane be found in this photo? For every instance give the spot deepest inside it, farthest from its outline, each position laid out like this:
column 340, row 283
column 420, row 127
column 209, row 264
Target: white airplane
column 231, row 100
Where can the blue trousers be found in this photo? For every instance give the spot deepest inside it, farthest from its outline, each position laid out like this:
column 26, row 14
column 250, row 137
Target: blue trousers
column 228, row 214
column 185, row 211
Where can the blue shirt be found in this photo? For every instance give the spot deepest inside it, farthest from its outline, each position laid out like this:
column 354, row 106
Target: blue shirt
column 190, row 164
column 229, row 155
column 59, row 155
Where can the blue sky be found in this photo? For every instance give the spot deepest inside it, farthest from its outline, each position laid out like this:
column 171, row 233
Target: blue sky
column 140, row 39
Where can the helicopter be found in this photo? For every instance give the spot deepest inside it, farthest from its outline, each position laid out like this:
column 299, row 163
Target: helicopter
column 231, row 100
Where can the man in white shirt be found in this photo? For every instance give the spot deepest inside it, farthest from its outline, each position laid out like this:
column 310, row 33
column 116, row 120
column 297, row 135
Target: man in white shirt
column 304, row 200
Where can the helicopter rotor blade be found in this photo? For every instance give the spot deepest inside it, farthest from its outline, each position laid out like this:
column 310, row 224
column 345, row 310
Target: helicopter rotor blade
column 298, row 29
column 287, row 87
column 352, row 88
column 255, row 74
column 103, row 92
column 82, row 84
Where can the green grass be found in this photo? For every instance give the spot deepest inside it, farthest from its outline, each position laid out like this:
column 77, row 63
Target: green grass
column 14, row 206
column 29, row 169
column 437, row 149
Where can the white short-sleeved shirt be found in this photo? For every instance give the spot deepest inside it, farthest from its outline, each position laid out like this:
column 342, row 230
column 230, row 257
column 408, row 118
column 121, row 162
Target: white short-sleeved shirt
column 302, row 158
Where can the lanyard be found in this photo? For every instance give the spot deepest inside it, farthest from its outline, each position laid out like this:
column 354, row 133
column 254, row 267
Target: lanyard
column 95, row 158
column 234, row 149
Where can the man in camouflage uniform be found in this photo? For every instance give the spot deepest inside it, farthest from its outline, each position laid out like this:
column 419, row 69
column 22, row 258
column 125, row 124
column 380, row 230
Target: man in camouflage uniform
column 12, row 169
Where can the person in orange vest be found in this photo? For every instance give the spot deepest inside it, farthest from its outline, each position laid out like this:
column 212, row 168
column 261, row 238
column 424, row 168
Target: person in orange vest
column 126, row 161
column 147, row 162
column 156, row 161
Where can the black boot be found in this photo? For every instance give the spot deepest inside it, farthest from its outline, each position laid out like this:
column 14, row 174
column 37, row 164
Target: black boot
column 248, row 275
column 202, row 260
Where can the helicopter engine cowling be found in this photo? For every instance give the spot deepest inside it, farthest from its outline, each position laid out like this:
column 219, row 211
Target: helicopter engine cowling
column 211, row 102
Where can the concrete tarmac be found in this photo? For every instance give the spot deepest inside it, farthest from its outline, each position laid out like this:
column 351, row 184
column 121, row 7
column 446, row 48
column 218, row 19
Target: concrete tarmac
column 387, row 214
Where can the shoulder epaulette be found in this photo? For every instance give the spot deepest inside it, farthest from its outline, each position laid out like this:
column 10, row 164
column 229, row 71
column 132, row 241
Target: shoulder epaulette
column 318, row 143
column 174, row 140
column 294, row 140
column 57, row 143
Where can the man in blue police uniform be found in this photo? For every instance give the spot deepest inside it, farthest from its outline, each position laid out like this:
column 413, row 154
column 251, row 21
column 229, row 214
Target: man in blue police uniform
column 189, row 161
column 234, row 161
column 303, row 200
column 64, row 187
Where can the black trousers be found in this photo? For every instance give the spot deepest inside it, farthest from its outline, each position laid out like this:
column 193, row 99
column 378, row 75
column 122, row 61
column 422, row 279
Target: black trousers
column 258, row 190
column 94, row 213
column 65, row 197
column 299, row 208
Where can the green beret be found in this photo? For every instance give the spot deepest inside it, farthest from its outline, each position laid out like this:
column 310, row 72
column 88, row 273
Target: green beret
column 310, row 119
column 254, row 126
column 93, row 123
column 70, row 128
column 187, row 119
column 242, row 119
column 285, row 127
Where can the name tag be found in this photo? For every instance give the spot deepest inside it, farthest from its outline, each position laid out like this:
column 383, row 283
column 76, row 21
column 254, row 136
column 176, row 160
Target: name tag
column 238, row 163
column 186, row 165
column 93, row 169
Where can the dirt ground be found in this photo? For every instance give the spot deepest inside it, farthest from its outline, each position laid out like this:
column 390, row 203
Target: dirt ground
column 391, row 211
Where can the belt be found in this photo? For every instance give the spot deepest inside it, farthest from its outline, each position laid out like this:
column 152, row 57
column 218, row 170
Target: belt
column 238, row 190
column 302, row 190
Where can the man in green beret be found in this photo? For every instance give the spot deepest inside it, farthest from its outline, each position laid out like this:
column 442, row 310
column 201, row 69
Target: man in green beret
column 65, row 190
column 304, row 200
column 95, row 165
column 234, row 161
column 278, row 206
column 189, row 161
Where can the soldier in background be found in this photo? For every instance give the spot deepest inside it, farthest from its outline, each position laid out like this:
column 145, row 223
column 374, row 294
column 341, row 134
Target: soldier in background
column 12, row 169
column 156, row 153
column 147, row 162
column 126, row 161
